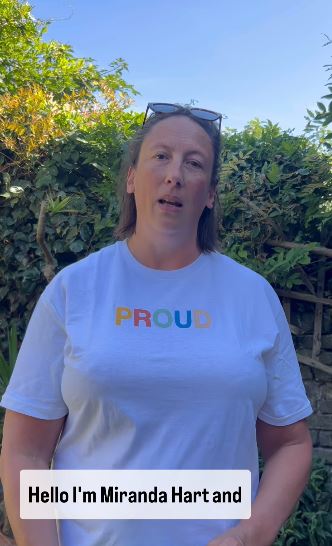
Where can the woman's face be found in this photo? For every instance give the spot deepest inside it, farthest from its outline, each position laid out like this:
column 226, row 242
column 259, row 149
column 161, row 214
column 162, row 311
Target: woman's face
column 174, row 165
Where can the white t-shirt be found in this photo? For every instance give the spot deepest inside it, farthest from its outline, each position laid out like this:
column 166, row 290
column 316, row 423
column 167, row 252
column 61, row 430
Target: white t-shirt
column 157, row 370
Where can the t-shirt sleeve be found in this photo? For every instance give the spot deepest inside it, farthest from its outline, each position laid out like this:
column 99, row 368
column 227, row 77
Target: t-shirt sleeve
column 286, row 401
column 35, row 385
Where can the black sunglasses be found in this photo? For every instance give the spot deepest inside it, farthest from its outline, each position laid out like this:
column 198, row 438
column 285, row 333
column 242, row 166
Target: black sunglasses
column 167, row 108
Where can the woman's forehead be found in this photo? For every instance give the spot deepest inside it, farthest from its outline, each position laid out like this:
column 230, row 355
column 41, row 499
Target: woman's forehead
column 176, row 130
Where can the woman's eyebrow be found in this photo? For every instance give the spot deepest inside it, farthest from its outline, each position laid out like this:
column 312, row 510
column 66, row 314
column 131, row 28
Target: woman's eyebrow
column 170, row 148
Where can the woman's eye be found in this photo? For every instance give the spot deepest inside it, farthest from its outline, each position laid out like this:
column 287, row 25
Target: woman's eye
column 195, row 164
column 161, row 156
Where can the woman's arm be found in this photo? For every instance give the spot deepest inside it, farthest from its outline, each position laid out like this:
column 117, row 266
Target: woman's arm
column 287, row 452
column 28, row 443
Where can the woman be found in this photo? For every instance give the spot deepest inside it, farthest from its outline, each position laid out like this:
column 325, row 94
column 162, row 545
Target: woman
column 158, row 352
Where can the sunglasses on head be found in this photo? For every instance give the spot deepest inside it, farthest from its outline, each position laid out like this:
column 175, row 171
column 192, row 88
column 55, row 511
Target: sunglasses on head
column 167, row 108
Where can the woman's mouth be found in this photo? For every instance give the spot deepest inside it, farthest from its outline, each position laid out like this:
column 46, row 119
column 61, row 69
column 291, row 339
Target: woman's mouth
column 171, row 203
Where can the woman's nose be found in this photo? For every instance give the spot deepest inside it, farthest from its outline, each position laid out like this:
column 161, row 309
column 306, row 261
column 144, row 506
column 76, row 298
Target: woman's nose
column 174, row 174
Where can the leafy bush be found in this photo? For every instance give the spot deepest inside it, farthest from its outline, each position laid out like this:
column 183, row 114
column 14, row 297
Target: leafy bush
column 311, row 522
column 63, row 122
column 7, row 366
column 320, row 120
column 77, row 181
column 274, row 186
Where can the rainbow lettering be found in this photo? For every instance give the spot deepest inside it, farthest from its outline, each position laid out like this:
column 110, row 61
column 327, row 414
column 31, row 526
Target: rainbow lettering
column 163, row 318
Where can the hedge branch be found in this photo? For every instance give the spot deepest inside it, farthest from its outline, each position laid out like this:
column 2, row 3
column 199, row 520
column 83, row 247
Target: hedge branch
column 322, row 250
column 49, row 269
column 314, row 363
column 303, row 296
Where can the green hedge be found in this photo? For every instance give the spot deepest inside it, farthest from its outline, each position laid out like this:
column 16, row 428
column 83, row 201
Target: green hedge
column 311, row 522
column 272, row 185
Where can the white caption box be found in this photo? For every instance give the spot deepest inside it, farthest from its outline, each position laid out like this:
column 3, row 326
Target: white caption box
column 135, row 494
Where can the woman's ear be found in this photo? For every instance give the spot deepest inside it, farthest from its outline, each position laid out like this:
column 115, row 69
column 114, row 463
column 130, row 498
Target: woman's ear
column 211, row 198
column 131, row 180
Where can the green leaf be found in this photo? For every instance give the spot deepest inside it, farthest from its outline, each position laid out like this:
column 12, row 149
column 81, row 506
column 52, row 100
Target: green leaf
column 55, row 206
column 328, row 120
column 255, row 232
column 242, row 253
column 76, row 246
column 274, row 213
column 6, row 179
column 85, row 233
column 3, row 291
column 44, row 180
column 16, row 190
column 321, row 106
column 75, row 156
column 103, row 168
column 273, row 173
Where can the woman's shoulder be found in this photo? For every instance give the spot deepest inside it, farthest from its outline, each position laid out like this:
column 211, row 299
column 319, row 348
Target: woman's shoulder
column 80, row 276
column 234, row 269
column 92, row 260
column 247, row 282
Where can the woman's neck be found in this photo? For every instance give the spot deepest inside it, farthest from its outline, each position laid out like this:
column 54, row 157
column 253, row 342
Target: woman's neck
column 163, row 254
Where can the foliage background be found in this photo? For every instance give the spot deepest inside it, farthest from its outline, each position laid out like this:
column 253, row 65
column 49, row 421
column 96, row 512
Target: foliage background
column 63, row 125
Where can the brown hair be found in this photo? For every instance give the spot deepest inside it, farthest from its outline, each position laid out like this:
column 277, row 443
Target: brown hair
column 207, row 225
